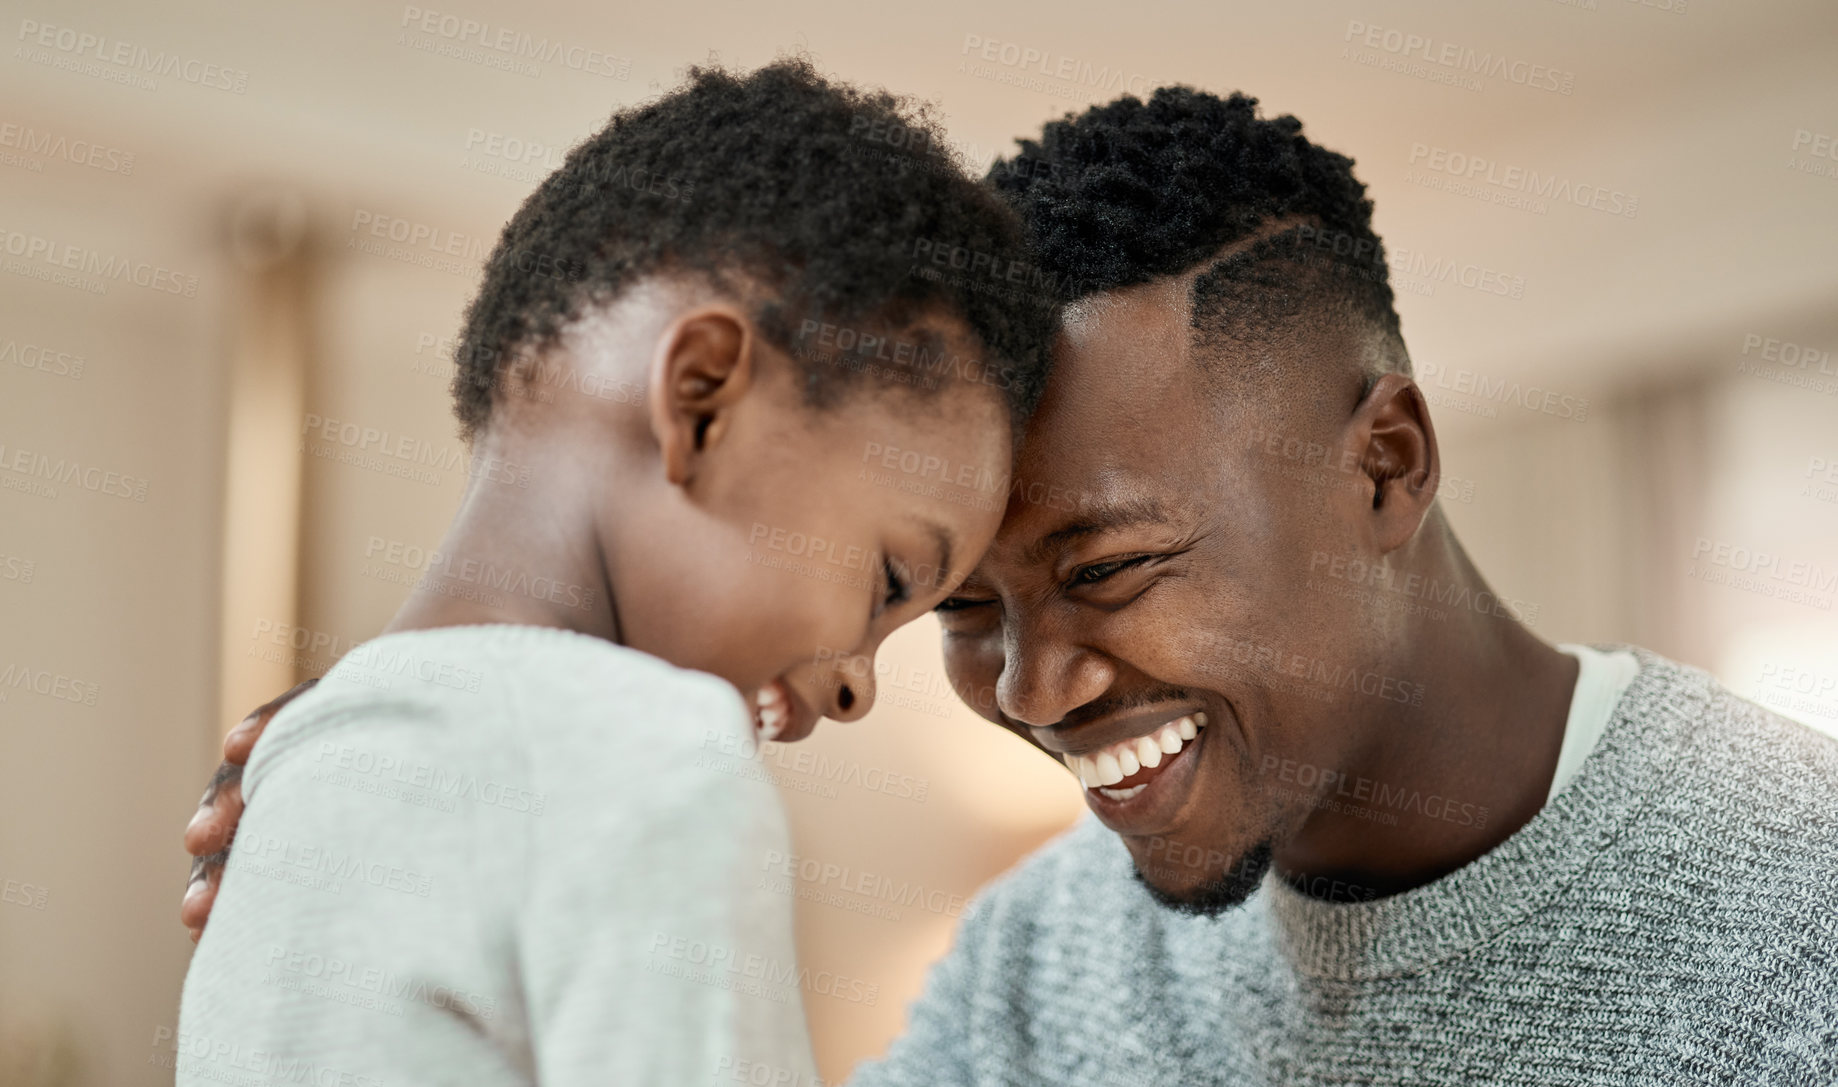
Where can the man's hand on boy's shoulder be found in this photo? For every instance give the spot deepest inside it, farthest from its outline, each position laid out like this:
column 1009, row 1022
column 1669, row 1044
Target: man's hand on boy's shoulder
column 213, row 827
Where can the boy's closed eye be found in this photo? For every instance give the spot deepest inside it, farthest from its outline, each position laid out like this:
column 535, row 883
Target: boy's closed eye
column 894, row 590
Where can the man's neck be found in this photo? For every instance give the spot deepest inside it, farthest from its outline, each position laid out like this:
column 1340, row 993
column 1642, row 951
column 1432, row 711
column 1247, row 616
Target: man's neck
column 1459, row 773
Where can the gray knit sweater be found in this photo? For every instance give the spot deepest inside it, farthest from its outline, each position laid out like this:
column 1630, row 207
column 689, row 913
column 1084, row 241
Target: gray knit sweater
column 1671, row 917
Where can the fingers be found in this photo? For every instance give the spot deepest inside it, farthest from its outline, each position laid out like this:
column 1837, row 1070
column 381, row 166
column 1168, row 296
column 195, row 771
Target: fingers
column 214, row 823
column 201, row 894
column 241, row 740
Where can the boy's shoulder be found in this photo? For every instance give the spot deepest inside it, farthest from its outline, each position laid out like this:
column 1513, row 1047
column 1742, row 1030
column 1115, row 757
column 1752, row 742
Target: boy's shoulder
column 467, row 658
column 543, row 674
column 513, row 693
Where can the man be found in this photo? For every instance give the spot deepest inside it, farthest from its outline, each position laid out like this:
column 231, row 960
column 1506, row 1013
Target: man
column 1354, row 823
column 1411, row 843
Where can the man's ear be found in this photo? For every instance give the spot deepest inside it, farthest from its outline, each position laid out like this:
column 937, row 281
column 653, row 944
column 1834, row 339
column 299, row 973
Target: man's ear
column 704, row 364
column 1397, row 455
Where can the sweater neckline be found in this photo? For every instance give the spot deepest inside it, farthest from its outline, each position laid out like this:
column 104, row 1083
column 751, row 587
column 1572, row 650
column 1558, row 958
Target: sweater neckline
column 1409, row 932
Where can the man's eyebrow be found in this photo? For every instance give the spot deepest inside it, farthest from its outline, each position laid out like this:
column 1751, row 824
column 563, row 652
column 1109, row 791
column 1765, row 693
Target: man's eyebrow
column 1104, row 517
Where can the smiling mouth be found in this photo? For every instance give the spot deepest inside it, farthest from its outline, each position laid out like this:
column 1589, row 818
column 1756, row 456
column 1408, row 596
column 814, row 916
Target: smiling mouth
column 771, row 710
column 1124, row 769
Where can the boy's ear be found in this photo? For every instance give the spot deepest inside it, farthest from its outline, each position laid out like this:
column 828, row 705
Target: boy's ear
column 1397, row 454
column 703, row 365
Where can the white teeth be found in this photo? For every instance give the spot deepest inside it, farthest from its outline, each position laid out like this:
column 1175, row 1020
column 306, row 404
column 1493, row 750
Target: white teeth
column 1105, row 768
column 1124, row 794
column 771, row 711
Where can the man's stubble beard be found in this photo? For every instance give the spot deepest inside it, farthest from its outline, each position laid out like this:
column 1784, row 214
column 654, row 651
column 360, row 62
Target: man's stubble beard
column 1226, row 891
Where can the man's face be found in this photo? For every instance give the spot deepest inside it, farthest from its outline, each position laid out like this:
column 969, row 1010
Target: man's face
column 1161, row 577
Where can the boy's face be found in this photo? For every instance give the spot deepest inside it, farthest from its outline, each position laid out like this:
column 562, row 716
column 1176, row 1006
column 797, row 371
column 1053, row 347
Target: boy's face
column 789, row 541
column 849, row 523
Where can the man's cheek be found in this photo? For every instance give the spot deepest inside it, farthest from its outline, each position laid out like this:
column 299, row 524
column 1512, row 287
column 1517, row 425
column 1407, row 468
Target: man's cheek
column 973, row 662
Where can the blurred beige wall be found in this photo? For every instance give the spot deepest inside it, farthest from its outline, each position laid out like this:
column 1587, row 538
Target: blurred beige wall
column 1663, row 303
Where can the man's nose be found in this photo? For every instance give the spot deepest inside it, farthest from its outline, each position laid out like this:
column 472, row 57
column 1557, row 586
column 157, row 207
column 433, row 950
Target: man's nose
column 1046, row 675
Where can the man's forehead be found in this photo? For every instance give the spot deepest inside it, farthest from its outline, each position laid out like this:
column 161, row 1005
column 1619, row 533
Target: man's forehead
column 1163, row 306
column 1159, row 310
column 1044, row 519
column 1121, row 394
column 1123, row 386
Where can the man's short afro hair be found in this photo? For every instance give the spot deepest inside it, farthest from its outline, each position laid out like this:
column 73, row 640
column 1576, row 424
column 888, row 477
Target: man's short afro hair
column 1132, row 191
column 768, row 178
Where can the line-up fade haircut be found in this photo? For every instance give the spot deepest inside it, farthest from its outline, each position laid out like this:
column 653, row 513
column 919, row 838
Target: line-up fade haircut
column 760, row 179
column 1133, row 191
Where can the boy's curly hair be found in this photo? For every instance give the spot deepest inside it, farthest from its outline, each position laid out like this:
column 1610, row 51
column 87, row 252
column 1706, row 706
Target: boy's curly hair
column 770, row 176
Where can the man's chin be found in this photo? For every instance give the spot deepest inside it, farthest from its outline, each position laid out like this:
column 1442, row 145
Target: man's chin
column 1214, row 896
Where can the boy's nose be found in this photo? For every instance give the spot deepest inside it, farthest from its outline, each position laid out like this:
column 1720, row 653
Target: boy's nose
column 849, row 689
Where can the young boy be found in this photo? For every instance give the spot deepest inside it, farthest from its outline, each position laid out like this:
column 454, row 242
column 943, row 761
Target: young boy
column 491, row 846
